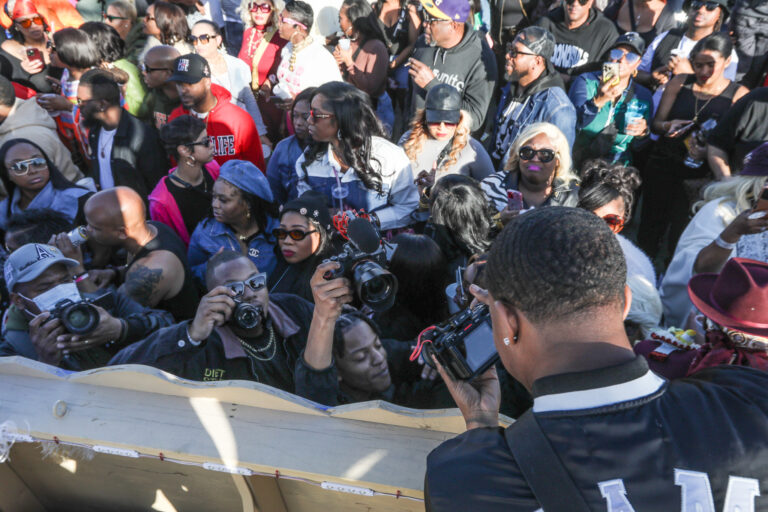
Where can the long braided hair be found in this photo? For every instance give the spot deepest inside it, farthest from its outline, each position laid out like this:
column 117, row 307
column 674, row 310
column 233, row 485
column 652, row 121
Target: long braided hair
column 357, row 125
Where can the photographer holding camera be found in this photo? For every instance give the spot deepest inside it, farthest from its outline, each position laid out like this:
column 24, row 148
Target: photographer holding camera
column 604, row 432
column 50, row 321
column 242, row 332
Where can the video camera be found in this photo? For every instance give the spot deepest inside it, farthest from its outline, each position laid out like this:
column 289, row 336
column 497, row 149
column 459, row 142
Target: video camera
column 463, row 345
column 81, row 317
column 362, row 261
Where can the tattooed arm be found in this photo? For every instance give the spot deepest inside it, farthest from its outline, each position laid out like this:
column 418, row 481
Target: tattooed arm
column 154, row 278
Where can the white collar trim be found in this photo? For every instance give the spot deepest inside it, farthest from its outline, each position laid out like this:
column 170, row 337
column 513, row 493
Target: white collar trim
column 599, row 397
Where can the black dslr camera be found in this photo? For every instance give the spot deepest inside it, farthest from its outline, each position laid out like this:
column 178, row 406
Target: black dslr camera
column 362, row 261
column 246, row 316
column 81, row 317
column 463, row 345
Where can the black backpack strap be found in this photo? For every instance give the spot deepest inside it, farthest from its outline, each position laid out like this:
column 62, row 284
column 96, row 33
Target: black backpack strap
column 551, row 483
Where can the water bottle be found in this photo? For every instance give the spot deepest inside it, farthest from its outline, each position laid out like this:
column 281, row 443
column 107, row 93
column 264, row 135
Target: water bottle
column 635, row 111
column 698, row 138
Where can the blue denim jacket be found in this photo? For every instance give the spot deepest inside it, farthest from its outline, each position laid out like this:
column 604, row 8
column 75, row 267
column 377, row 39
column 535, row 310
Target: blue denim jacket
column 281, row 171
column 211, row 235
column 550, row 105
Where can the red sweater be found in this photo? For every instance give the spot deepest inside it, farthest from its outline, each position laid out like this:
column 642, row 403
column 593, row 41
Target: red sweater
column 231, row 129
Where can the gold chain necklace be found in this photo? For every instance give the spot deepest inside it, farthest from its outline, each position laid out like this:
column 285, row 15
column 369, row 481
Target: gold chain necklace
column 696, row 108
column 253, row 352
column 296, row 49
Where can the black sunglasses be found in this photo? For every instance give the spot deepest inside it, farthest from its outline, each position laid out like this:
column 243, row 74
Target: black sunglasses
column 545, row 155
column 581, row 2
column 143, row 66
column 295, row 234
column 203, row 39
column 205, row 143
column 255, row 283
column 513, row 52
column 697, row 4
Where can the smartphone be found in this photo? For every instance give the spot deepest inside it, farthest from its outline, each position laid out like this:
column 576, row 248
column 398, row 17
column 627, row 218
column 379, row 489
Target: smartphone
column 762, row 203
column 514, row 200
column 33, row 54
column 611, row 73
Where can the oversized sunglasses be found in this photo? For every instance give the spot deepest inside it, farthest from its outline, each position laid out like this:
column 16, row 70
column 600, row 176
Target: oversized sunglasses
column 545, row 155
column 37, row 20
column 202, row 39
column 205, row 143
column 618, row 54
column 292, row 22
column 295, row 234
column 255, row 283
column 254, row 7
column 615, row 222
column 697, row 4
column 23, row 167
column 111, row 18
column 317, row 115
column 581, row 2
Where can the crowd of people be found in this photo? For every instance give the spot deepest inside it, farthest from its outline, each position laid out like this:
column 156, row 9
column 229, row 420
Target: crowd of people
column 182, row 185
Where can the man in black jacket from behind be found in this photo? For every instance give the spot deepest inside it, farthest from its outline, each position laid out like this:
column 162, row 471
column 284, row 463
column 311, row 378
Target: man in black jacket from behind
column 452, row 52
column 124, row 150
column 624, row 437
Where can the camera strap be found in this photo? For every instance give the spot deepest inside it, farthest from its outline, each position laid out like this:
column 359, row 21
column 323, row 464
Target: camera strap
column 550, row 481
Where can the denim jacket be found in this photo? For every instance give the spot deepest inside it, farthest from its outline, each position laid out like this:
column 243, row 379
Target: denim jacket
column 544, row 100
column 211, row 235
column 281, row 169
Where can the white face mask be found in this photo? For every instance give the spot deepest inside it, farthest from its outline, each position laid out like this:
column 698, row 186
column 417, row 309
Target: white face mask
column 47, row 301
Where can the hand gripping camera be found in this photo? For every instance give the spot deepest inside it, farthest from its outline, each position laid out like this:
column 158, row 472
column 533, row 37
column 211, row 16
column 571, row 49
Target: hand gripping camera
column 246, row 316
column 463, row 345
column 362, row 261
column 81, row 317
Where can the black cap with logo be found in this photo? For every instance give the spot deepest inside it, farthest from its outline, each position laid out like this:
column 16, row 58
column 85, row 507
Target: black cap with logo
column 190, row 68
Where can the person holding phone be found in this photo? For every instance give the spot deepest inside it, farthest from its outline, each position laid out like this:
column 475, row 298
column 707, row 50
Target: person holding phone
column 28, row 49
column 725, row 225
column 689, row 101
column 612, row 109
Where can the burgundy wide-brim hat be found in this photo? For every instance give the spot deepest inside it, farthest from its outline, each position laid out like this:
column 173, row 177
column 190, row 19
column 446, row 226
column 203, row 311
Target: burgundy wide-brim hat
column 736, row 298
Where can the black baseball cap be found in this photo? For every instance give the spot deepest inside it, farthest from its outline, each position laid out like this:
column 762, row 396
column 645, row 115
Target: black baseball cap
column 443, row 104
column 190, row 68
column 631, row 39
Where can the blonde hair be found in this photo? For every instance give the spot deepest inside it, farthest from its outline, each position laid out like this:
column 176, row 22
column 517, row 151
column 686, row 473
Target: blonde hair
column 563, row 172
column 743, row 190
column 420, row 132
column 245, row 12
column 125, row 8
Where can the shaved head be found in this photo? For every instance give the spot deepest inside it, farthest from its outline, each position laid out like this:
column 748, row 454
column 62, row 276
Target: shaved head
column 162, row 56
column 118, row 207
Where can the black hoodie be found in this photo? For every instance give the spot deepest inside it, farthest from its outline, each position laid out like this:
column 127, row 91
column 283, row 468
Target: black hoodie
column 579, row 49
column 470, row 67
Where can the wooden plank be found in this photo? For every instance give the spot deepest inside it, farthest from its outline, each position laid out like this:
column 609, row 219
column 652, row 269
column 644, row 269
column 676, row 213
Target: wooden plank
column 266, row 493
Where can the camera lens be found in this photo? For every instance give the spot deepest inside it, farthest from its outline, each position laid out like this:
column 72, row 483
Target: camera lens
column 80, row 318
column 247, row 316
column 375, row 286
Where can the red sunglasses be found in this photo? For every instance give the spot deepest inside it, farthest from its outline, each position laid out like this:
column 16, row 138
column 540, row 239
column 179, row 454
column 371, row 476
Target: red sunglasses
column 254, row 7
column 615, row 222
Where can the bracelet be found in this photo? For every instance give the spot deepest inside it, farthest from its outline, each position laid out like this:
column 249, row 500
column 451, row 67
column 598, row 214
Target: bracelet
column 189, row 338
column 81, row 277
column 723, row 244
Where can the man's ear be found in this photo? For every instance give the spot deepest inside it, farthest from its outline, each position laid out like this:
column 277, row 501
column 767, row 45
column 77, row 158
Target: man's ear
column 627, row 301
column 505, row 319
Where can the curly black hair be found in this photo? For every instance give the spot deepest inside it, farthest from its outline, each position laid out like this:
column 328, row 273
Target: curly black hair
column 602, row 182
column 556, row 263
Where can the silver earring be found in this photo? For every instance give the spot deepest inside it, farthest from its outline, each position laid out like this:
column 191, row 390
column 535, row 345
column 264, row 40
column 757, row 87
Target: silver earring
column 338, row 134
column 506, row 341
column 515, row 337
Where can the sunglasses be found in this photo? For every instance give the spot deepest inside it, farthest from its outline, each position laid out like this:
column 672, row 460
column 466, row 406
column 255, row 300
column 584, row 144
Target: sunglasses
column 618, row 54
column 202, row 39
column 254, row 7
column 513, row 52
column 111, row 18
column 37, row 20
column 255, row 283
column 293, row 23
column 581, row 2
column 615, row 222
column 446, row 124
column 295, row 234
column 545, row 155
column 23, row 167
column 205, row 143
column 146, row 69
column 316, row 115
column 697, row 4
